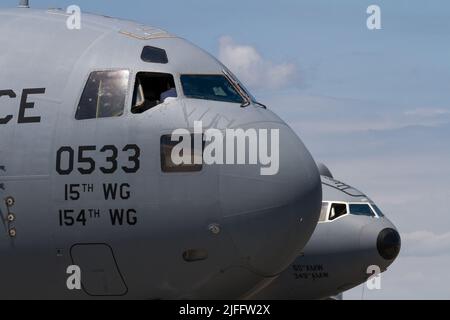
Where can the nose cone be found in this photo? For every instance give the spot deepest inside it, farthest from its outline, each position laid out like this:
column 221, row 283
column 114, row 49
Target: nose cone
column 380, row 243
column 388, row 244
column 270, row 218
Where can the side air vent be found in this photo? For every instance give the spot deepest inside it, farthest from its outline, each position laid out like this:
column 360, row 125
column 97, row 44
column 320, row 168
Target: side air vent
column 194, row 255
column 154, row 55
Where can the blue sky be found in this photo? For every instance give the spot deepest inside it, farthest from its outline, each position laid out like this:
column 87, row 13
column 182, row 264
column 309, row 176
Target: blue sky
column 373, row 105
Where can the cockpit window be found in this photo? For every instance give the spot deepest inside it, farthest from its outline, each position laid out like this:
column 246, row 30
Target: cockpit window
column 195, row 159
column 378, row 211
column 210, row 87
column 154, row 55
column 337, row 210
column 323, row 212
column 152, row 89
column 240, row 84
column 361, row 210
column 104, row 95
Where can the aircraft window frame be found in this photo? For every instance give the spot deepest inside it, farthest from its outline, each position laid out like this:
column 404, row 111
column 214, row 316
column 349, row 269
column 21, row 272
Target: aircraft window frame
column 141, row 89
column 85, row 84
column 239, row 87
column 362, row 204
column 329, row 203
column 159, row 55
column 244, row 99
column 183, row 168
column 246, row 94
column 324, row 212
column 378, row 212
column 338, row 217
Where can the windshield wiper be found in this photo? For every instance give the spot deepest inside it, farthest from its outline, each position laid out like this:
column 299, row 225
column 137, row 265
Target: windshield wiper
column 237, row 87
column 245, row 104
column 260, row 104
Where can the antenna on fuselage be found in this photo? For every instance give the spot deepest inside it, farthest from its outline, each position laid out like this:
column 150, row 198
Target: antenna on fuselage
column 24, row 4
column 324, row 171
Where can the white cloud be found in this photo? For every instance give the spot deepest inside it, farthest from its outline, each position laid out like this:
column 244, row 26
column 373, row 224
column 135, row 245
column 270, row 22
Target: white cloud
column 427, row 112
column 351, row 125
column 318, row 114
column 426, row 243
column 248, row 64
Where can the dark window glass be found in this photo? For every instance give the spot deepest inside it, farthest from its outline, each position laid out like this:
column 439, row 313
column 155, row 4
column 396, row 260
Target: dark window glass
column 210, row 87
column 154, row 55
column 152, row 89
column 167, row 165
column 104, row 95
column 361, row 210
column 378, row 211
column 324, row 211
column 337, row 210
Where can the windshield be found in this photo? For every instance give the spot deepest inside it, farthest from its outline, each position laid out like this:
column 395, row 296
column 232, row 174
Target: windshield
column 104, row 95
column 239, row 83
column 210, row 87
column 378, row 211
column 361, row 210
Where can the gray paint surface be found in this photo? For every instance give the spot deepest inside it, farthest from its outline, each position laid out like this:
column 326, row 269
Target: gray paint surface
column 264, row 220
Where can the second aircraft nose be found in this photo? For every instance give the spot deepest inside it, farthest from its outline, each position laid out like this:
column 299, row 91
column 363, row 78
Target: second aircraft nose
column 389, row 243
column 381, row 243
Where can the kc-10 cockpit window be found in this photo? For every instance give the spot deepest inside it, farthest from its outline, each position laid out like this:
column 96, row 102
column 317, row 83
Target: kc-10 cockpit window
column 361, row 210
column 337, row 210
column 378, row 211
column 210, row 87
column 324, row 211
column 104, row 95
column 152, row 89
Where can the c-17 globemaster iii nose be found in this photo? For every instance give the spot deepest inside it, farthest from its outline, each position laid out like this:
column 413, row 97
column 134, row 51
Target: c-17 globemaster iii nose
column 271, row 217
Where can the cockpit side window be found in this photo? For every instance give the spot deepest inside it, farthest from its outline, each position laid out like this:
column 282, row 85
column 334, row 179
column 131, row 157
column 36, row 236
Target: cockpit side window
column 104, row 95
column 378, row 211
column 323, row 212
column 337, row 210
column 195, row 159
column 361, row 210
column 152, row 89
column 210, row 87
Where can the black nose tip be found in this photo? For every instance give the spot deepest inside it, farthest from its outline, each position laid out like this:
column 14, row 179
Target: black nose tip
column 389, row 244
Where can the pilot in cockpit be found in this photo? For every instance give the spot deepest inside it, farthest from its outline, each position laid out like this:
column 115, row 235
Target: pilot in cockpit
column 171, row 92
column 151, row 90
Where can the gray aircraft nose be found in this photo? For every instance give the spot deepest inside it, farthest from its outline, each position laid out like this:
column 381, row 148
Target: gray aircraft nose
column 389, row 243
column 271, row 217
column 381, row 243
